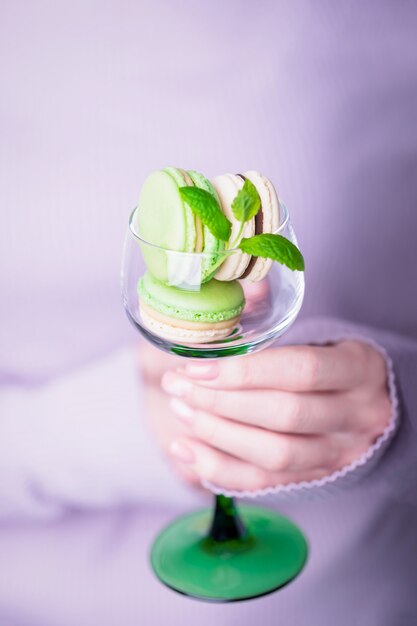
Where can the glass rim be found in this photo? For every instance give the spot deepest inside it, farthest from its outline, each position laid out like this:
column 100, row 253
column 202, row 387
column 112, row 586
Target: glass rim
column 140, row 239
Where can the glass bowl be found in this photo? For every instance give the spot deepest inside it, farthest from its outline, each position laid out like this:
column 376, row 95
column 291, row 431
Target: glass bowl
column 271, row 304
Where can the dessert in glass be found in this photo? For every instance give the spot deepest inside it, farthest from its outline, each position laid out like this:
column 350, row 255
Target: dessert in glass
column 192, row 247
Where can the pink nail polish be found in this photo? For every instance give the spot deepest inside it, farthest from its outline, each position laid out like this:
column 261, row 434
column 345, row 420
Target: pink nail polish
column 184, row 412
column 175, row 385
column 181, row 452
column 204, row 370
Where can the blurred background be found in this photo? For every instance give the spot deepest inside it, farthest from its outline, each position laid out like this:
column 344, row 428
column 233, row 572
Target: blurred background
column 319, row 96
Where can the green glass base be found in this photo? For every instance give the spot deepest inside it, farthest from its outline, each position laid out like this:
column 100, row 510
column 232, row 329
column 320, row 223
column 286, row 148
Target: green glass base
column 270, row 555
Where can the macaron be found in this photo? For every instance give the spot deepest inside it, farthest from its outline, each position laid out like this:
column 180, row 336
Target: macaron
column 227, row 187
column 163, row 219
column 212, row 247
column 203, row 316
column 166, row 221
column 267, row 220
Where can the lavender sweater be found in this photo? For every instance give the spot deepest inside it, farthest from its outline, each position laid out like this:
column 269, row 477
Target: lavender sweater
column 321, row 96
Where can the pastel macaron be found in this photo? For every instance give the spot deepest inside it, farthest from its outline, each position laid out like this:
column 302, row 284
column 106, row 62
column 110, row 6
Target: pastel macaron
column 267, row 220
column 163, row 219
column 168, row 223
column 203, row 316
column 212, row 247
column 238, row 264
column 227, row 187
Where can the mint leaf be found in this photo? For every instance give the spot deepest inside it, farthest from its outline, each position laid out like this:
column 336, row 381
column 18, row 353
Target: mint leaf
column 206, row 207
column 247, row 202
column 275, row 247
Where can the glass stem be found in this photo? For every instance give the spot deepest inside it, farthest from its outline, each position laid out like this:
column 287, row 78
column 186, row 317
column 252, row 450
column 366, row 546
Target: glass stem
column 227, row 524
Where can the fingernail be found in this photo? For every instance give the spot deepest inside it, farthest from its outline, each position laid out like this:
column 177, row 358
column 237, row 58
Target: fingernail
column 205, row 371
column 175, row 385
column 181, row 452
column 184, row 412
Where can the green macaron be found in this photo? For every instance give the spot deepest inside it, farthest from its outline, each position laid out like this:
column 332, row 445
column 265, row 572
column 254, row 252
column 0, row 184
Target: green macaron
column 168, row 223
column 212, row 246
column 163, row 219
column 197, row 316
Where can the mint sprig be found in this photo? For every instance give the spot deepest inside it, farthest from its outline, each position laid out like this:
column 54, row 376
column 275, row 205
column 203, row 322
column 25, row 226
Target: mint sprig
column 275, row 247
column 247, row 202
column 207, row 208
column 245, row 206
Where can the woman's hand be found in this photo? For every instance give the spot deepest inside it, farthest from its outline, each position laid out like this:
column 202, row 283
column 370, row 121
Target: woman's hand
column 153, row 363
column 283, row 415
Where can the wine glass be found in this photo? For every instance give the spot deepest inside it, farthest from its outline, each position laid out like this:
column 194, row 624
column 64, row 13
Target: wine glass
column 223, row 554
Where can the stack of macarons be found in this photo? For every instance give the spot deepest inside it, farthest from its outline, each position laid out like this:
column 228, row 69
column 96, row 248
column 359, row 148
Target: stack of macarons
column 166, row 221
column 211, row 308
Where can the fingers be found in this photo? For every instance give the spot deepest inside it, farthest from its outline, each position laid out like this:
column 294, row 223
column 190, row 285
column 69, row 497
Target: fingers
column 293, row 368
column 279, row 411
column 186, row 473
column 229, row 472
column 270, row 451
column 296, row 415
